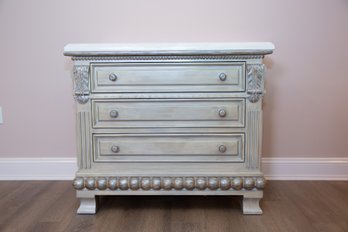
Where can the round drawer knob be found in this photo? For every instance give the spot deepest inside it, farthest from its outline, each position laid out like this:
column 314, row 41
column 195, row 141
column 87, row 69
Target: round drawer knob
column 113, row 113
column 115, row 149
column 222, row 76
column 222, row 148
column 112, row 77
column 222, row 113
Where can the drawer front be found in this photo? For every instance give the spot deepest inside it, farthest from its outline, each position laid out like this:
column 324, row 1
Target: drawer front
column 145, row 113
column 168, row 77
column 168, row 148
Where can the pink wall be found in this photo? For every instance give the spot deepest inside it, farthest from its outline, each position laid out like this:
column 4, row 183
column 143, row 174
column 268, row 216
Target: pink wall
column 305, row 107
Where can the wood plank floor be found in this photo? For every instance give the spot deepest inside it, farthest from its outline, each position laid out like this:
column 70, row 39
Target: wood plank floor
column 288, row 206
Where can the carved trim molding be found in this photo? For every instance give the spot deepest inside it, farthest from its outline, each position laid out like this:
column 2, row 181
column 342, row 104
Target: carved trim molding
column 169, row 183
column 252, row 158
column 154, row 57
column 84, row 147
column 255, row 81
column 81, row 83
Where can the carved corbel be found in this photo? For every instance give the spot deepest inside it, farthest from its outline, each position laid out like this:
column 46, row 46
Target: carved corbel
column 81, row 83
column 255, row 81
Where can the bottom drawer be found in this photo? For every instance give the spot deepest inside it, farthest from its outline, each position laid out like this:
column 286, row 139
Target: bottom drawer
column 168, row 147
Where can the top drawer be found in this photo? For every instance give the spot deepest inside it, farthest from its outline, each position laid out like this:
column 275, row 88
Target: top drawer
column 168, row 77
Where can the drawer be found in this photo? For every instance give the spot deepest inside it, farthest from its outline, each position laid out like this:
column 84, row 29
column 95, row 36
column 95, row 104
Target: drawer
column 168, row 148
column 168, row 77
column 145, row 113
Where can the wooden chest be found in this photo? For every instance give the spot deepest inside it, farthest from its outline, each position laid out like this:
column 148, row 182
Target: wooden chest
column 169, row 119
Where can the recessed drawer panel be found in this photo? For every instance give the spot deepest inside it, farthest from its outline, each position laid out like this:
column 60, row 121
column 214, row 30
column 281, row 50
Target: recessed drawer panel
column 144, row 113
column 169, row 148
column 168, row 77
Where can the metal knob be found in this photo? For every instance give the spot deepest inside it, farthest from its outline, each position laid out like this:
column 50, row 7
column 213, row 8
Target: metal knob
column 113, row 113
column 115, row 149
column 222, row 148
column 222, row 76
column 222, row 113
column 112, row 77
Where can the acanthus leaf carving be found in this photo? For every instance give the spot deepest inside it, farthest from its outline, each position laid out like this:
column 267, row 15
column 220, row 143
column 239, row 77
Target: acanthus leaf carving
column 255, row 81
column 81, row 83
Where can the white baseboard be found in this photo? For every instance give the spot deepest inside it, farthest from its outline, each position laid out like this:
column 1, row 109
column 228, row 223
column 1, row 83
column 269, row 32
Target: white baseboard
column 305, row 168
column 273, row 168
column 37, row 168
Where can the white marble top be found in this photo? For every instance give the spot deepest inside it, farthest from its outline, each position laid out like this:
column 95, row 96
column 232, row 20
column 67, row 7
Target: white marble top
column 249, row 48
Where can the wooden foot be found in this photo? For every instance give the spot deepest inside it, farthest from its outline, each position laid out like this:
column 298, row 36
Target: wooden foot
column 87, row 205
column 251, row 206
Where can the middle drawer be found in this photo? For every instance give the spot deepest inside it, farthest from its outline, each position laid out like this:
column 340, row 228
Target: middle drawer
column 150, row 113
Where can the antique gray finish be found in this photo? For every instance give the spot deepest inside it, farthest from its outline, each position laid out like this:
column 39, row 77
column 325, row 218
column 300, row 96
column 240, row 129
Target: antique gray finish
column 169, row 119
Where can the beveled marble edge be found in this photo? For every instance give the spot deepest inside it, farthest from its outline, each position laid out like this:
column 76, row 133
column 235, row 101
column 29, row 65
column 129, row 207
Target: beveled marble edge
column 245, row 48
